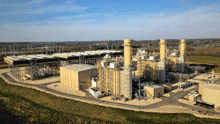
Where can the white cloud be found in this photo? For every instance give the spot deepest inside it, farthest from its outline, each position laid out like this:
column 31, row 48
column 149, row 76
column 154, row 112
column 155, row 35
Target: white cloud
column 200, row 22
column 57, row 8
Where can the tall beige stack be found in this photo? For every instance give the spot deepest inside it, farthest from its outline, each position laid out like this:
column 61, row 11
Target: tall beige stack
column 127, row 69
column 182, row 55
column 163, row 60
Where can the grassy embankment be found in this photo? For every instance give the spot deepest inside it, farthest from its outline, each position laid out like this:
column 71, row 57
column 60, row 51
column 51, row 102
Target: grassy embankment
column 206, row 59
column 36, row 106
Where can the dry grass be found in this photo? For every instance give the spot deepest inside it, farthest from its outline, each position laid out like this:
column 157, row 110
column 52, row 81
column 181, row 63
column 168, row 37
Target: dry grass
column 36, row 106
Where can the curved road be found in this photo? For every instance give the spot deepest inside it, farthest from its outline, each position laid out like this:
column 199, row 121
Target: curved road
column 172, row 100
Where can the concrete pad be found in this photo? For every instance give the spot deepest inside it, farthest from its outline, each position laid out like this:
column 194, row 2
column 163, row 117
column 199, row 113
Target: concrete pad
column 53, row 83
column 186, row 102
column 65, row 89
column 166, row 95
column 190, row 88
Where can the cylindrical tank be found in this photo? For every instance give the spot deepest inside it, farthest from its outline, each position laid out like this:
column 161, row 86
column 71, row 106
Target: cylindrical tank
column 182, row 47
column 162, row 49
column 127, row 52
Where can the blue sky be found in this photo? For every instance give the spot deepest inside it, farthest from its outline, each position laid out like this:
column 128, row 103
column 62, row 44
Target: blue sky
column 89, row 20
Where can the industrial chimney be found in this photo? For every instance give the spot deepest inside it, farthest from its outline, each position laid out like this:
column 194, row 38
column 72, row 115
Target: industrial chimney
column 127, row 69
column 182, row 55
column 163, row 60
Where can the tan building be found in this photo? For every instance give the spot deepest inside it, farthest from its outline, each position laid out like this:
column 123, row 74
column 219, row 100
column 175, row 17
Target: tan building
column 78, row 76
column 154, row 90
column 210, row 93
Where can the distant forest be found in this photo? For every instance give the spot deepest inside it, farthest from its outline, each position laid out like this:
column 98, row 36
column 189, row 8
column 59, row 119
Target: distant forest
column 203, row 47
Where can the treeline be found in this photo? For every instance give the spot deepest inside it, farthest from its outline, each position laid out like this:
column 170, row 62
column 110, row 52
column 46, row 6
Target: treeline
column 201, row 51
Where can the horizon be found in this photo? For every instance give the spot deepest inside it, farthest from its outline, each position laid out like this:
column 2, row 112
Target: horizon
column 63, row 21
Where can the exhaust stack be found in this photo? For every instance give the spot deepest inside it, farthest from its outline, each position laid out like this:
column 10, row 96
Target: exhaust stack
column 163, row 60
column 182, row 55
column 127, row 69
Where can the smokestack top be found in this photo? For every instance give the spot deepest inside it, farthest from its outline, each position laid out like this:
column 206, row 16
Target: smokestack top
column 127, row 52
column 162, row 40
column 127, row 41
column 182, row 40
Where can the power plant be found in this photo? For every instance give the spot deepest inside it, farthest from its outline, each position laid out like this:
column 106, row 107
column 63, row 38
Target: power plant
column 120, row 75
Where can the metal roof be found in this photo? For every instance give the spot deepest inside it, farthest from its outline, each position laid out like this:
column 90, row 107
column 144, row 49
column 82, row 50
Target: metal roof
column 79, row 67
column 155, row 86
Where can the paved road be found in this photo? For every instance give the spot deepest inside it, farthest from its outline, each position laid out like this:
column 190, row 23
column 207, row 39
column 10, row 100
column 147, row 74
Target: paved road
column 172, row 100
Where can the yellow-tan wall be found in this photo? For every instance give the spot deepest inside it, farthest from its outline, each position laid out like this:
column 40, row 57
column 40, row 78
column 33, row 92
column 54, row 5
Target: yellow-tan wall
column 117, row 80
column 154, row 91
column 151, row 65
column 86, row 76
column 172, row 63
column 200, row 89
column 211, row 95
column 72, row 78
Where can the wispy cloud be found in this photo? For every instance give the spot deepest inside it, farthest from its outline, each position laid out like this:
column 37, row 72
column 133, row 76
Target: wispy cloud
column 53, row 9
column 28, row 11
column 200, row 22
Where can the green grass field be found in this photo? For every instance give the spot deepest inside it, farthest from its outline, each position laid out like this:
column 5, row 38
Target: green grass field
column 35, row 106
column 206, row 59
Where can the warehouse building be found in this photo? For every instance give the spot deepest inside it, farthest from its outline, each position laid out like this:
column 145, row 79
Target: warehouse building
column 154, row 90
column 78, row 76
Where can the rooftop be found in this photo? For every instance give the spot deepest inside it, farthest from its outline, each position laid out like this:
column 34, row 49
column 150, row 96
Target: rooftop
column 155, row 86
column 212, row 86
column 86, row 53
column 79, row 67
column 30, row 57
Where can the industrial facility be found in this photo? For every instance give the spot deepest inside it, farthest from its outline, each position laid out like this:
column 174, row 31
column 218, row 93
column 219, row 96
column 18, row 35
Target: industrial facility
column 118, row 74
column 39, row 66
column 124, row 77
